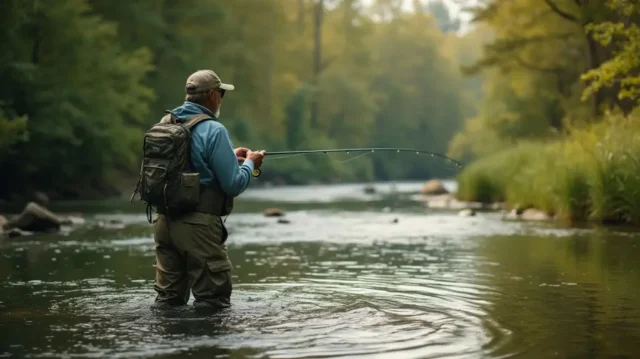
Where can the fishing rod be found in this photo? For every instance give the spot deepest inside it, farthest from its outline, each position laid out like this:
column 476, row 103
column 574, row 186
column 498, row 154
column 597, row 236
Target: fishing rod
column 256, row 172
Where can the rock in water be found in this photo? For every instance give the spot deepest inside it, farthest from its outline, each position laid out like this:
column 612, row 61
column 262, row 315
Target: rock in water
column 284, row 221
column 3, row 222
column 369, row 189
column 532, row 214
column 468, row 212
column 433, row 187
column 41, row 198
column 73, row 221
column 273, row 212
column 35, row 218
column 15, row 232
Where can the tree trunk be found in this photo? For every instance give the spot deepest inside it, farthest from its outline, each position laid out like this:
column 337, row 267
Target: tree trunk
column 317, row 57
column 594, row 62
column 269, row 79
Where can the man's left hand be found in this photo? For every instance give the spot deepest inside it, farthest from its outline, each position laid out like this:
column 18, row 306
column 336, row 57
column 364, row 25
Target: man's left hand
column 241, row 153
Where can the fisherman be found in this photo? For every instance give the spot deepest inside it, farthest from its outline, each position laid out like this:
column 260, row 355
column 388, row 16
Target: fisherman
column 191, row 255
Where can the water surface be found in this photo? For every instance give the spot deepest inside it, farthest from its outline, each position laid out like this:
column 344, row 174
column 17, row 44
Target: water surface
column 368, row 278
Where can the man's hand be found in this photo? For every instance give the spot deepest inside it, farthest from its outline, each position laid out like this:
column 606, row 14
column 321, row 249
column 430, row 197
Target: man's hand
column 256, row 157
column 241, row 153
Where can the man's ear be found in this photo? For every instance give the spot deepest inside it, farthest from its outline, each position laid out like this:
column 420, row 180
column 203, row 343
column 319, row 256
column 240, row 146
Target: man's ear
column 211, row 96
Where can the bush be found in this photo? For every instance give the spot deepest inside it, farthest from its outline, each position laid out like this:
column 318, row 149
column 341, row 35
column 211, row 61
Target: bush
column 594, row 173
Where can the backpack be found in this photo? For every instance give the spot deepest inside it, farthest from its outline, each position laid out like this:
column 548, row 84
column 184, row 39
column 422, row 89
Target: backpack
column 167, row 180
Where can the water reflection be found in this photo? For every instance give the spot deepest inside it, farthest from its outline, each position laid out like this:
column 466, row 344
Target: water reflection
column 335, row 284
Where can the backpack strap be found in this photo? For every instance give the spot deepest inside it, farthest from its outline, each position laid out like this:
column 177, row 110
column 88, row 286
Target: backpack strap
column 168, row 118
column 190, row 124
column 193, row 121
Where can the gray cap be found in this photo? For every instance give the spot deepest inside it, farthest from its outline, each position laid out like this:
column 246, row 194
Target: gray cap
column 203, row 81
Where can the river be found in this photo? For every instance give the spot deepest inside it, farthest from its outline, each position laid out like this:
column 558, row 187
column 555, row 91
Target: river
column 351, row 275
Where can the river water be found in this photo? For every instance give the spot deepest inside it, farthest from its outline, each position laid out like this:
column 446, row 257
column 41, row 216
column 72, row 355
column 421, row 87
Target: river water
column 350, row 275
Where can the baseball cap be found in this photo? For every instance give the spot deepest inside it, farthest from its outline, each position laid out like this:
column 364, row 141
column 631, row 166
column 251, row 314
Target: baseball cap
column 203, row 81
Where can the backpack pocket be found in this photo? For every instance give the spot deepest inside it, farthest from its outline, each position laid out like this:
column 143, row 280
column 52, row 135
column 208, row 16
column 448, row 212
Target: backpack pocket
column 154, row 175
column 185, row 191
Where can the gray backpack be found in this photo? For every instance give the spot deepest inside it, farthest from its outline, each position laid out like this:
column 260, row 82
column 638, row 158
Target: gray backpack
column 167, row 180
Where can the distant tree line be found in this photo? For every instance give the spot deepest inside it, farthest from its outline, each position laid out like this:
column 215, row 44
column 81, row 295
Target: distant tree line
column 82, row 80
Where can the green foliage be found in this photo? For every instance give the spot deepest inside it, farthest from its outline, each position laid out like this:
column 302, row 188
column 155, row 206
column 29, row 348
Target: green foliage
column 552, row 64
column 63, row 69
column 616, row 178
column 487, row 180
column 91, row 77
column 592, row 174
column 12, row 132
column 558, row 71
column 621, row 70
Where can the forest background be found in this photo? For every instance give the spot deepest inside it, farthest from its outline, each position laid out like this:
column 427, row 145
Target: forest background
column 525, row 80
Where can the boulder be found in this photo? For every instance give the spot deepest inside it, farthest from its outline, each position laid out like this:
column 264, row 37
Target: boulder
column 3, row 222
column 35, row 218
column 273, row 212
column 433, row 187
column 41, row 198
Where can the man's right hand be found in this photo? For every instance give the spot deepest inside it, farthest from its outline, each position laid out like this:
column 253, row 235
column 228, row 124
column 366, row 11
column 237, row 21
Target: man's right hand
column 256, row 157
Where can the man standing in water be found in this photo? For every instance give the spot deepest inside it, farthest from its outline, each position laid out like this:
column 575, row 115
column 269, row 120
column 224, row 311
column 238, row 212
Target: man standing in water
column 191, row 254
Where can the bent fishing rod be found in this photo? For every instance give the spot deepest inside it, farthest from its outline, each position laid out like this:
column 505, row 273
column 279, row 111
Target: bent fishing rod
column 257, row 172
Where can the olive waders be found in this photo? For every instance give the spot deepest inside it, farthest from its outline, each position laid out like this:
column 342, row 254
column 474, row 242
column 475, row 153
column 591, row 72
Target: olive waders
column 191, row 255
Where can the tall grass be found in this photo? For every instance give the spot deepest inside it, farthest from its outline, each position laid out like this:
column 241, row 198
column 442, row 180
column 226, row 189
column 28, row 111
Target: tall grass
column 592, row 174
column 487, row 180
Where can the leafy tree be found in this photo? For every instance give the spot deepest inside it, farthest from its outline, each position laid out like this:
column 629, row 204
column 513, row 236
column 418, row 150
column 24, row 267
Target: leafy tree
column 622, row 69
column 63, row 69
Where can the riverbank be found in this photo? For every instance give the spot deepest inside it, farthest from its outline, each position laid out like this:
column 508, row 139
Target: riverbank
column 593, row 174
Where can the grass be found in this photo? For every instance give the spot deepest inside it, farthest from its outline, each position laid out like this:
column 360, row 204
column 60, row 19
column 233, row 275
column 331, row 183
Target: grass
column 593, row 174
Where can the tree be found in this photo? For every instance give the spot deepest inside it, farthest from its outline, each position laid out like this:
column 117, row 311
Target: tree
column 621, row 70
column 83, row 104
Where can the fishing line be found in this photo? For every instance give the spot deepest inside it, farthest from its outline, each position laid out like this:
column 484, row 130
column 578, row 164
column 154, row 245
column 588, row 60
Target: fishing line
column 288, row 156
column 367, row 150
column 349, row 159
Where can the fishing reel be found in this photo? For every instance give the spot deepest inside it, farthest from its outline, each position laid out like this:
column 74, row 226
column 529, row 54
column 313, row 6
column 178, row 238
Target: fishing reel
column 256, row 172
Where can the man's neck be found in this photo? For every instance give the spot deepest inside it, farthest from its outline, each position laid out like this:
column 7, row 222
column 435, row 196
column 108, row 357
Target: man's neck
column 206, row 110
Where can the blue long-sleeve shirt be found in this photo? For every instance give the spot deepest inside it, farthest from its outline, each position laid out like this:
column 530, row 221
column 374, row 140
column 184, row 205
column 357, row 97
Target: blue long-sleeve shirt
column 212, row 152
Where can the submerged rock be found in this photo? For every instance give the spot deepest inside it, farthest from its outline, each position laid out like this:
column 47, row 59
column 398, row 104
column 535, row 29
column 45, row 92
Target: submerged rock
column 111, row 224
column 273, row 212
column 284, row 221
column 35, row 218
column 433, row 187
column 369, row 189
column 512, row 215
column 72, row 221
column 16, row 232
